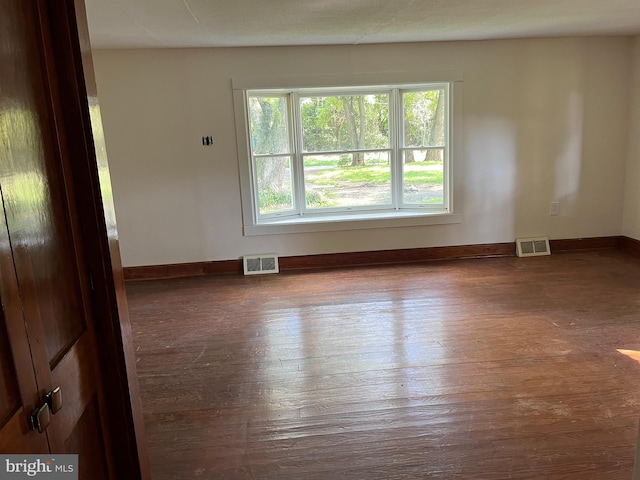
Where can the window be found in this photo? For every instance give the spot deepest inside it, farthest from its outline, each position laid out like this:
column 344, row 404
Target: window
column 346, row 153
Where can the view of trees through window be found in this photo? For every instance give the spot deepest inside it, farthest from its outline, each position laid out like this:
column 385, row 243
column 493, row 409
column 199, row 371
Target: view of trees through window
column 345, row 150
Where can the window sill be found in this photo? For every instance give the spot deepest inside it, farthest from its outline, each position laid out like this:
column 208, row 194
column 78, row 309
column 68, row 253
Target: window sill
column 348, row 222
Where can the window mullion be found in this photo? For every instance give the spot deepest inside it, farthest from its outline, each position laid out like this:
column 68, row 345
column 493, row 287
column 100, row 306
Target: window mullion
column 253, row 168
column 297, row 163
column 446, row 187
column 395, row 133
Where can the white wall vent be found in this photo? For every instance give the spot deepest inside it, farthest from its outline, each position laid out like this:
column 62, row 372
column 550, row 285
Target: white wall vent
column 532, row 247
column 258, row 264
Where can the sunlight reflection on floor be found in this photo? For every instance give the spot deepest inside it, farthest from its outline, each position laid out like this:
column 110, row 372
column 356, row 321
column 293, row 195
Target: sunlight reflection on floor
column 634, row 354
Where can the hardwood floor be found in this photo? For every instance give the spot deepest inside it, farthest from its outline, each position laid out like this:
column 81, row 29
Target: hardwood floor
column 468, row 369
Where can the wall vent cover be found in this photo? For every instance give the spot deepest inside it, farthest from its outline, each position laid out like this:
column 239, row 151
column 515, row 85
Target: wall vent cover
column 260, row 264
column 532, row 247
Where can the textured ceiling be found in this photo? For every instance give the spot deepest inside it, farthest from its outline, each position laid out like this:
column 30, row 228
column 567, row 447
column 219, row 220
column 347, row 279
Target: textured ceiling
column 214, row 23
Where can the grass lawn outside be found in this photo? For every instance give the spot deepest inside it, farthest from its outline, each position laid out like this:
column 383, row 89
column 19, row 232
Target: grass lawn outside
column 331, row 185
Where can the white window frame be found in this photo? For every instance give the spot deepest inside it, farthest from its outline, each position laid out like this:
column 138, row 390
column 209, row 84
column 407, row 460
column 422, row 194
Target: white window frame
column 312, row 220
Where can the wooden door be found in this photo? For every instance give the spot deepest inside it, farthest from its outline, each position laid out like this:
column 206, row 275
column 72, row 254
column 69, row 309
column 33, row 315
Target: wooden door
column 48, row 259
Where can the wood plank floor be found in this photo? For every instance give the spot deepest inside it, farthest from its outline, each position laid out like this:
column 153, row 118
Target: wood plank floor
column 469, row 369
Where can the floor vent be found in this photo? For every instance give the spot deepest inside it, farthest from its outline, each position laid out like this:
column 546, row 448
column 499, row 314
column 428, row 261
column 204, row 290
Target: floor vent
column 259, row 264
column 532, row 247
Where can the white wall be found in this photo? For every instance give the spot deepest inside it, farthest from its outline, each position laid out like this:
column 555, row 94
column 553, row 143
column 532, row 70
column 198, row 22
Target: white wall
column 543, row 120
column 631, row 225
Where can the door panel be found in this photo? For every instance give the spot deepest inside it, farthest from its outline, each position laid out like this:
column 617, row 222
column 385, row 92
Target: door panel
column 93, row 449
column 43, row 251
column 78, row 388
column 39, row 207
column 9, row 393
column 32, row 189
column 19, row 394
column 14, row 438
column 11, row 411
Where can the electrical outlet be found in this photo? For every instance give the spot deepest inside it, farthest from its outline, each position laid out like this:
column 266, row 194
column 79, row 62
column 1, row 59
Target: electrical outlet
column 555, row 209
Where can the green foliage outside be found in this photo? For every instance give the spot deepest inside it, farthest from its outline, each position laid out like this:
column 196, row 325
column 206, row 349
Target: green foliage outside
column 414, row 174
column 423, row 118
column 275, row 201
column 343, row 161
column 319, row 183
column 346, row 122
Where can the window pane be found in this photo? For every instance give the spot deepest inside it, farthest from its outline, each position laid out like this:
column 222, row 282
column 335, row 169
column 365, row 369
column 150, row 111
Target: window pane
column 423, row 172
column 424, row 118
column 269, row 125
column 345, row 122
column 275, row 192
column 350, row 180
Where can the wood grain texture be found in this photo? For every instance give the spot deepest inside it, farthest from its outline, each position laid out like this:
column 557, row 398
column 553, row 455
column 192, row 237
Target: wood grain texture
column 470, row 369
column 350, row 259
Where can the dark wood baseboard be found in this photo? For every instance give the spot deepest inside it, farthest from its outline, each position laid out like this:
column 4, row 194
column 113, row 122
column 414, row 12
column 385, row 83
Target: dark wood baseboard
column 630, row 245
column 386, row 257
column 592, row 243
column 380, row 257
column 179, row 270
